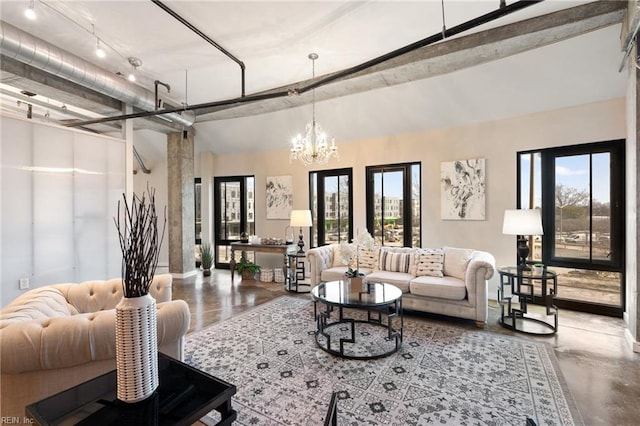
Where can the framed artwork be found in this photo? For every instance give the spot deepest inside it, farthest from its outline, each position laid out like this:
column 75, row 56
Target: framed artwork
column 279, row 197
column 462, row 186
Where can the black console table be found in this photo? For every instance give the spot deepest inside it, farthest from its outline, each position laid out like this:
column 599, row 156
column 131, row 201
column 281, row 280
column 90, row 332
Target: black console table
column 184, row 395
column 528, row 285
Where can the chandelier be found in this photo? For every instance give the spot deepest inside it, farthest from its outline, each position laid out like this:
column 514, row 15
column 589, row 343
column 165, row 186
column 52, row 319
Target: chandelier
column 314, row 147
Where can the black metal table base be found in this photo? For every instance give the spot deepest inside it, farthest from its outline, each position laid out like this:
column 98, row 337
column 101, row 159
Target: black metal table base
column 375, row 317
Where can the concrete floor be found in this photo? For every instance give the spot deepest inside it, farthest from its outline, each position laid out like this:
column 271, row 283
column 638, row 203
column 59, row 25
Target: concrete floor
column 600, row 369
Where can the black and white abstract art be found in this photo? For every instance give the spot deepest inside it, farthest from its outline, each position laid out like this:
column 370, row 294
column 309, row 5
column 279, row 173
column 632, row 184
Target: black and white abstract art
column 462, row 185
column 279, row 197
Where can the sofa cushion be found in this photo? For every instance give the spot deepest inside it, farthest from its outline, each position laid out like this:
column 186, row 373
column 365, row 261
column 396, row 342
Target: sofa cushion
column 338, row 259
column 398, row 279
column 456, row 261
column 429, row 262
column 442, row 288
column 394, row 261
column 337, row 273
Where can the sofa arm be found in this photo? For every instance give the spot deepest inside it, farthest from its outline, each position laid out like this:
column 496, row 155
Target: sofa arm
column 77, row 339
column 480, row 268
column 320, row 258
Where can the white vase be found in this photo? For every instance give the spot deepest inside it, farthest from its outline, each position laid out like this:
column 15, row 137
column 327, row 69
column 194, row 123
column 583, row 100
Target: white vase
column 136, row 348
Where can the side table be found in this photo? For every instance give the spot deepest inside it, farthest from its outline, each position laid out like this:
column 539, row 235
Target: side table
column 296, row 273
column 527, row 286
column 184, row 395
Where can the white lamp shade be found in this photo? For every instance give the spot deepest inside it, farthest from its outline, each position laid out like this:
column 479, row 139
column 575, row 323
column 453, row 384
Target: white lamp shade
column 301, row 218
column 522, row 222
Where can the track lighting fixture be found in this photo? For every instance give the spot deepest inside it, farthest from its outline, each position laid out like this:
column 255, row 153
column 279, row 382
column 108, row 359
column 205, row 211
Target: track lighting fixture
column 30, row 12
column 135, row 63
column 100, row 53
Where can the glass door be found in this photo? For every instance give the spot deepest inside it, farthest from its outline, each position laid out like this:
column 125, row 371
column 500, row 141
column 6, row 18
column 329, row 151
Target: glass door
column 331, row 206
column 580, row 191
column 234, row 214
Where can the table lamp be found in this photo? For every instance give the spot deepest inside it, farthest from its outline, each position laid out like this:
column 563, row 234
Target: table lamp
column 522, row 223
column 301, row 219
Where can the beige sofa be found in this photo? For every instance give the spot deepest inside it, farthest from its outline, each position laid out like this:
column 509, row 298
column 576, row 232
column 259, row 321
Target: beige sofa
column 448, row 281
column 55, row 337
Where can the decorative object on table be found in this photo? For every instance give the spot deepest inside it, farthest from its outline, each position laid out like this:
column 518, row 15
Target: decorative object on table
column 272, row 241
column 522, row 223
column 279, row 196
column 351, row 253
column 538, row 268
column 462, row 185
column 207, row 259
column 288, row 234
column 247, row 268
column 136, row 316
column 254, row 239
column 314, row 147
column 301, row 219
column 244, row 237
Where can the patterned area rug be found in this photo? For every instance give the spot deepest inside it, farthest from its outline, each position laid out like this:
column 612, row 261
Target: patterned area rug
column 443, row 375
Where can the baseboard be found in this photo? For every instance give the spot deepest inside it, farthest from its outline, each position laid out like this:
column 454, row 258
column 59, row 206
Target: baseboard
column 185, row 275
column 633, row 343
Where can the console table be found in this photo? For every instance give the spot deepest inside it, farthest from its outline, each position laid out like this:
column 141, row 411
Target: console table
column 526, row 285
column 282, row 249
column 184, row 395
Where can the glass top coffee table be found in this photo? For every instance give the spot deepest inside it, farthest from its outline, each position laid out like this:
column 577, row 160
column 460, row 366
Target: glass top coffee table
column 367, row 319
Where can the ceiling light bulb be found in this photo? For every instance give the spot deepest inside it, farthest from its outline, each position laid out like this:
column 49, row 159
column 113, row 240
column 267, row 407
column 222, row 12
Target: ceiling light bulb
column 29, row 12
column 131, row 77
column 99, row 52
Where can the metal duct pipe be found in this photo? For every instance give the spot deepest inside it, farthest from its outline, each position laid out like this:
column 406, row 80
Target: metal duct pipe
column 37, row 53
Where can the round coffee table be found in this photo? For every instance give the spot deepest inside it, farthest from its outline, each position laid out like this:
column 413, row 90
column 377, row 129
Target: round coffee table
column 361, row 312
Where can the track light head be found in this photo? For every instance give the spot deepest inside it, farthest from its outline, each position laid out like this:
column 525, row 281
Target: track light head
column 30, row 12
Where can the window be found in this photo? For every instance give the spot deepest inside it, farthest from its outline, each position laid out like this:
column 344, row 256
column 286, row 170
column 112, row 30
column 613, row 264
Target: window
column 393, row 204
column 580, row 191
column 233, row 214
column 331, row 200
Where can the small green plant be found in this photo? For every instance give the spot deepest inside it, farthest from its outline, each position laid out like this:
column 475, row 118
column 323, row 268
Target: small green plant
column 207, row 256
column 247, row 267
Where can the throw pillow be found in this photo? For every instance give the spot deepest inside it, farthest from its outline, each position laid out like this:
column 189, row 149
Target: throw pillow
column 369, row 258
column 456, row 261
column 394, row 262
column 430, row 262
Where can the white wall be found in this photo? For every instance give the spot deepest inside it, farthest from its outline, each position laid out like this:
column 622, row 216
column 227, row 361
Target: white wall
column 60, row 189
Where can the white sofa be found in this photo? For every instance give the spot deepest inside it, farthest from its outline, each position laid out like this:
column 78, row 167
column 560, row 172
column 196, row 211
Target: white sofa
column 55, row 337
column 448, row 281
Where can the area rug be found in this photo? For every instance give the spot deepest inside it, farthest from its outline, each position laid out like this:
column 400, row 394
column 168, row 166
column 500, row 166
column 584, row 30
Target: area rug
column 442, row 375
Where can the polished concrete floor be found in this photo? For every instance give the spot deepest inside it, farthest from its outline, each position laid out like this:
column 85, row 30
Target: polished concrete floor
column 601, row 371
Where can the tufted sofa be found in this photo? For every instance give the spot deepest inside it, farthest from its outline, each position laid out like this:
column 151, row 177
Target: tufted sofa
column 55, row 337
column 448, row 281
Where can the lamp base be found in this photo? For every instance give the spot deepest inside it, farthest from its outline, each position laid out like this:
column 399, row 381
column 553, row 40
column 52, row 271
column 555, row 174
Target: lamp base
column 301, row 242
column 523, row 253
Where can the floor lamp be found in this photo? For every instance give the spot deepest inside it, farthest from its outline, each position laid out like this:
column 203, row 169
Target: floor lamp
column 301, row 219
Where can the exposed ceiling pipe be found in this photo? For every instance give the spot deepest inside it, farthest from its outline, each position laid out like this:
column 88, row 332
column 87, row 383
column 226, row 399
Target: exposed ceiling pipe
column 30, row 50
column 205, row 37
column 488, row 17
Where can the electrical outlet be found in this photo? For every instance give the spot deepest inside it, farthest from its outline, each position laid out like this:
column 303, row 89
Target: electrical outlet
column 24, row 283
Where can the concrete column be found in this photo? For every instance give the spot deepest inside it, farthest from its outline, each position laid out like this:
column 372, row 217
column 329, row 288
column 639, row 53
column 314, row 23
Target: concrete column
column 181, row 204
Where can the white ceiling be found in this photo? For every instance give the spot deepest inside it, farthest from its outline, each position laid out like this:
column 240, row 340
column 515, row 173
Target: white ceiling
column 273, row 39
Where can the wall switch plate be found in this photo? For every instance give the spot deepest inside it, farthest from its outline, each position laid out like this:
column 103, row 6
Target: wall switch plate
column 24, row 283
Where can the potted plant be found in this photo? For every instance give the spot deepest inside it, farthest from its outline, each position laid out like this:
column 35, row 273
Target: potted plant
column 247, row 268
column 136, row 332
column 207, row 259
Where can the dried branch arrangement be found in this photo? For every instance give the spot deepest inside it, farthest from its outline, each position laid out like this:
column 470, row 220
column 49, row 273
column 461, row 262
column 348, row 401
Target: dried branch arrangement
column 138, row 231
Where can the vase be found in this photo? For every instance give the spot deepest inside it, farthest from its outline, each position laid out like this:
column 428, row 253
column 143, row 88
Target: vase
column 356, row 283
column 136, row 348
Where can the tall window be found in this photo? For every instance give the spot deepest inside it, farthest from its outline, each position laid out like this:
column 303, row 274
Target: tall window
column 233, row 214
column 330, row 193
column 393, row 204
column 580, row 191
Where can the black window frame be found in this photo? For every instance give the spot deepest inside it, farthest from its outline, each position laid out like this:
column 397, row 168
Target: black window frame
column 407, row 215
column 321, row 208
